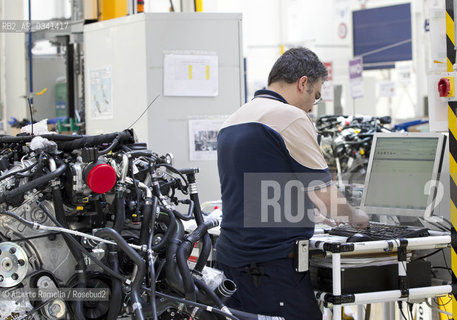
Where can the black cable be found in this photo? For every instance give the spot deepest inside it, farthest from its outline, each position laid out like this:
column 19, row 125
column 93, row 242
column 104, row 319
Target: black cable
column 174, row 170
column 108, row 270
column 33, row 184
column 448, row 222
column 368, row 312
column 411, row 305
column 37, row 170
column 35, row 237
column 18, row 171
column 18, row 218
column 80, row 268
column 159, row 269
column 116, row 285
column 152, row 274
column 427, row 255
column 140, row 270
column 110, row 147
column 130, row 127
column 194, row 304
column 36, row 309
column 31, row 113
column 400, row 306
column 445, row 262
column 171, row 6
column 437, row 225
column 444, row 304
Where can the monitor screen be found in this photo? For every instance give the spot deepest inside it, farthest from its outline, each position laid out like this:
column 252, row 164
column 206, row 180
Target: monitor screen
column 382, row 35
column 401, row 172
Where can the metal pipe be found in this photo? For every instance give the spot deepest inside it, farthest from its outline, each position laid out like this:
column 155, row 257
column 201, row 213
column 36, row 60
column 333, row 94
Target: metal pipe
column 389, row 245
column 124, row 167
column 142, row 186
column 336, row 282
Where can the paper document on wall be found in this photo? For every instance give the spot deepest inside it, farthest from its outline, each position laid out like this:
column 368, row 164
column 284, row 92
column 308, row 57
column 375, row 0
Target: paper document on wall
column 387, row 88
column 190, row 75
column 356, row 78
column 101, row 93
column 203, row 139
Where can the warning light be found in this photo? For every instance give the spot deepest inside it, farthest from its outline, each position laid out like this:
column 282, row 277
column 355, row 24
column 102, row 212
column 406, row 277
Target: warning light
column 446, row 87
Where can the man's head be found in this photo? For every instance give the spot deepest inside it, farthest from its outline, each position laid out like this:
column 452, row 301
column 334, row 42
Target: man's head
column 298, row 75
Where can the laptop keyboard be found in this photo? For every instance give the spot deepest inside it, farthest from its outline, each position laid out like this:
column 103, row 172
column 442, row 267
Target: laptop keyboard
column 378, row 231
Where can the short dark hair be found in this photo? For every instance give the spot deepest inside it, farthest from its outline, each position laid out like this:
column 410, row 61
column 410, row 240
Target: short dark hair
column 296, row 63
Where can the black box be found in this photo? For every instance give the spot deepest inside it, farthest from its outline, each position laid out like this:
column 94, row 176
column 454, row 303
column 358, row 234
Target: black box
column 372, row 278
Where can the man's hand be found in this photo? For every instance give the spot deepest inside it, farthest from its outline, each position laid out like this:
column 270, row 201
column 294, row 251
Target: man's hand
column 320, row 218
column 359, row 219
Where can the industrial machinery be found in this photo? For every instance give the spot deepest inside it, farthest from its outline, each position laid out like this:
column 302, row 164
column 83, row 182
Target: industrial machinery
column 346, row 143
column 99, row 218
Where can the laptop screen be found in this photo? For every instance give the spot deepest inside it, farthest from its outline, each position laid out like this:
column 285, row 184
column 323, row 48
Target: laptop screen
column 402, row 173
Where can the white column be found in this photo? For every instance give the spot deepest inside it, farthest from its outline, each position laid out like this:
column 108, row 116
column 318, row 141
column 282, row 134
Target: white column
column 13, row 63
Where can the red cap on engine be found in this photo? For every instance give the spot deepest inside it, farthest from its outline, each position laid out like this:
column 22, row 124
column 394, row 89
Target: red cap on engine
column 101, row 178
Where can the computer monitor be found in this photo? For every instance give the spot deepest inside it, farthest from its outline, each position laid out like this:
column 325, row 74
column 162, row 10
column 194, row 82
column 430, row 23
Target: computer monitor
column 402, row 174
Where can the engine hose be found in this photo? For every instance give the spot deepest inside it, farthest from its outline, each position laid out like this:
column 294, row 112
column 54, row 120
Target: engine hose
column 183, row 253
column 149, row 204
column 137, row 260
column 116, row 287
column 225, row 290
column 206, row 240
column 172, row 274
column 8, row 195
column 40, row 166
column 18, row 218
column 205, row 251
column 150, row 222
column 143, row 153
column 198, row 233
column 80, row 267
column 188, row 282
column 153, row 285
column 110, row 147
column 24, row 139
column 119, row 203
column 90, row 141
column 357, row 142
column 189, row 215
column 210, row 293
column 18, row 171
column 170, row 230
column 201, row 313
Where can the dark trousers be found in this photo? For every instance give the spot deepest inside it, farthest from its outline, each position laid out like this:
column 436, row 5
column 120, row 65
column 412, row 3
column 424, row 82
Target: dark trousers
column 273, row 288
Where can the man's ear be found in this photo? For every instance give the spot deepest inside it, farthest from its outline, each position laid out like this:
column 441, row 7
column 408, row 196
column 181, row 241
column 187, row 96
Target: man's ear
column 301, row 84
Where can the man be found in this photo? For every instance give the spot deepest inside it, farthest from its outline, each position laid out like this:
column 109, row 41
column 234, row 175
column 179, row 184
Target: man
column 265, row 145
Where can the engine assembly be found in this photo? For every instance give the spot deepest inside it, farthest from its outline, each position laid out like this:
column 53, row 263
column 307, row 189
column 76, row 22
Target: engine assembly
column 91, row 227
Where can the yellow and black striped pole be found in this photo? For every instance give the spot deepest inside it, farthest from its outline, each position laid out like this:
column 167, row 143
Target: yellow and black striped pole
column 452, row 108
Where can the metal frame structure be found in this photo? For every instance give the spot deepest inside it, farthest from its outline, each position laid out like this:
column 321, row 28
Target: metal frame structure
column 336, row 300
